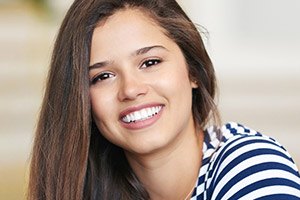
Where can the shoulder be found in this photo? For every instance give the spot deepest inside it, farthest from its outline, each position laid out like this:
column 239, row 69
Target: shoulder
column 250, row 165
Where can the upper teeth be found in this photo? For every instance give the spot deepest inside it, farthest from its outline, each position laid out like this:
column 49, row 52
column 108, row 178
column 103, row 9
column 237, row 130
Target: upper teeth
column 142, row 114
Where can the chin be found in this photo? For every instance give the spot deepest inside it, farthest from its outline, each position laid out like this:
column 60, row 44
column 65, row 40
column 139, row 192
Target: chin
column 147, row 148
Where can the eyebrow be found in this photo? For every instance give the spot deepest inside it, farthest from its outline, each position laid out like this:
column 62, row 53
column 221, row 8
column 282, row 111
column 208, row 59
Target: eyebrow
column 140, row 51
column 146, row 49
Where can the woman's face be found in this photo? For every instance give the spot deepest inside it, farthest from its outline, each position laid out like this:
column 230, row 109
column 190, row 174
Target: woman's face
column 140, row 91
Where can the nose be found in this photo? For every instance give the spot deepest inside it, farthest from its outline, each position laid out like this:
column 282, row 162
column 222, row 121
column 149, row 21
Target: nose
column 131, row 87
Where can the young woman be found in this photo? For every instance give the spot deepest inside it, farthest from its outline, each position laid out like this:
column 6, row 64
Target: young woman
column 126, row 110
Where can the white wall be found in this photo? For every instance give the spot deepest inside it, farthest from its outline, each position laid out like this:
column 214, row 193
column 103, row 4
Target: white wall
column 255, row 47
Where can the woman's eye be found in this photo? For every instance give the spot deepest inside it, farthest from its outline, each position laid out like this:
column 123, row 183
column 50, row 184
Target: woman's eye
column 149, row 63
column 102, row 77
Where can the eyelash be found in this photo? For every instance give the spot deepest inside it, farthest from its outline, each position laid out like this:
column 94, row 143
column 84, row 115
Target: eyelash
column 105, row 75
column 150, row 62
column 102, row 77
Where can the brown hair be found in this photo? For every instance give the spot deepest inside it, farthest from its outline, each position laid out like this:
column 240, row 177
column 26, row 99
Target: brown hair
column 71, row 159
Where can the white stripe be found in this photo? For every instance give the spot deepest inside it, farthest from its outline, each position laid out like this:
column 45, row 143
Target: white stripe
column 276, row 189
column 253, row 178
column 250, row 147
column 203, row 170
column 247, row 164
column 208, row 153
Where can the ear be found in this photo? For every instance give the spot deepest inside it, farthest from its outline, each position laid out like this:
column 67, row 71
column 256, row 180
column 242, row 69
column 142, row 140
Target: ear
column 194, row 84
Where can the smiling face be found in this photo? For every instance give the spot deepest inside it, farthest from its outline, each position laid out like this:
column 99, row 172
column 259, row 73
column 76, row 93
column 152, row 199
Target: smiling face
column 140, row 91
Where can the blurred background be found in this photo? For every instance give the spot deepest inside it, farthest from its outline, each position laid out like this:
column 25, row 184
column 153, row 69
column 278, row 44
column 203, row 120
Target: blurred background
column 255, row 47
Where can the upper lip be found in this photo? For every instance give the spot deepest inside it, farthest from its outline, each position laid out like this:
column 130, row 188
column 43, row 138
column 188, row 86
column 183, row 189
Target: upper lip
column 136, row 108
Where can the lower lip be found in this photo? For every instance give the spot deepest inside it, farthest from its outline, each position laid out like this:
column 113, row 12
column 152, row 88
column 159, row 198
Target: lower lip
column 143, row 123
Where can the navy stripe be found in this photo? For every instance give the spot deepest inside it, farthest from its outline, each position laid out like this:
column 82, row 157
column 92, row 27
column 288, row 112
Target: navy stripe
column 207, row 138
column 200, row 197
column 250, row 141
column 242, row 157
column 252, row 170
column 201, row 179
column 246, row 156
column 205, row 161
column 210, row 174
column 216, row 165
column 264, row 183
column 279, row 197
column 219, row 158
column 229, row 146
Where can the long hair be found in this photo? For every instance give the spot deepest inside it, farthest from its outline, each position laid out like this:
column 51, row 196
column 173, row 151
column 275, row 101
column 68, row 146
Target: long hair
column 70, row 157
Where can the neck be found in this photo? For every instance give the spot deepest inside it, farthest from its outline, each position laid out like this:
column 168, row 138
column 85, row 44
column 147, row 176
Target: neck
column 170, row 173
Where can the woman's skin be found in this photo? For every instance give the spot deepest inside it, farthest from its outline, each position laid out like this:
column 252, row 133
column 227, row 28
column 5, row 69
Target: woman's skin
column 141, row 98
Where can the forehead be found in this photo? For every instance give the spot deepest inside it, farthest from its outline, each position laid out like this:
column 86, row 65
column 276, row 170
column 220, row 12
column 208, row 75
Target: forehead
column 127, row 30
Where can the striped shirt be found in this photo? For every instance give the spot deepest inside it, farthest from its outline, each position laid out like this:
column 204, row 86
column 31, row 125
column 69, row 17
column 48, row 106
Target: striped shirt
column 245, row 165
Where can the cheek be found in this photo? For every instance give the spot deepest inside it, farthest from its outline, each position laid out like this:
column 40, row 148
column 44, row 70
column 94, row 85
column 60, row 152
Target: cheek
column 177, row 81
column 100, row 105
column 102, row 115
column 180, row 89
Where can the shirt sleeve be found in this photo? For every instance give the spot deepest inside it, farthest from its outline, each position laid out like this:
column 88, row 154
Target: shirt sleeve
column 253, row 167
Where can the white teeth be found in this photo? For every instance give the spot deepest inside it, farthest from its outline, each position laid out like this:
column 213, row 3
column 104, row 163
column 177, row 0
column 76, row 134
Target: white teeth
column 137, row 115
column 153, row 110
column 149, row 112
column 142, row 114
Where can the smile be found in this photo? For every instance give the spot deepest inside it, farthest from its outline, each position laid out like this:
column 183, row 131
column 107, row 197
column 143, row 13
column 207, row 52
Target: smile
column 142, row 114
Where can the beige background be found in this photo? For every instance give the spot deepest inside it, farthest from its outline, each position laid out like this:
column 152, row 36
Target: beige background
column 254, row 45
